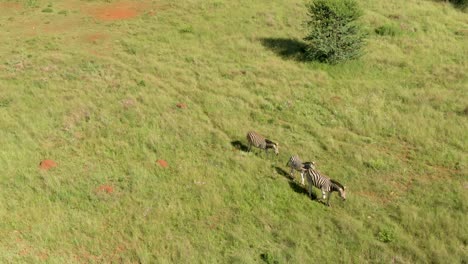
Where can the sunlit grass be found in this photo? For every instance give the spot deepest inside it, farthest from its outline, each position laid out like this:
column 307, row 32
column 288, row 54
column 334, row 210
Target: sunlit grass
column 100, row 99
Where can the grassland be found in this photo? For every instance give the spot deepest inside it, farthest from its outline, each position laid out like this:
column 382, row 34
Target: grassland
column 98, row 96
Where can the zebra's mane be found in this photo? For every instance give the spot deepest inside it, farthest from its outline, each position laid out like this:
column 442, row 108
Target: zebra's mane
column 269, row 141
column 337, row 183
column 308, row 165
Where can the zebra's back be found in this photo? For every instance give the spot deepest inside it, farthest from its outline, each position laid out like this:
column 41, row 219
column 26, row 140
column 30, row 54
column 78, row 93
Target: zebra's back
column 295, row 163
column 256, row 140
column 318, row 180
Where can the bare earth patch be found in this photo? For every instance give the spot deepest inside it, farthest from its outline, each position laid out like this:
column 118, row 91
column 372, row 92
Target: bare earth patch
column 117, row 11
column 95, row 37
column 335, row 99
column 47, row 164
column 105, row 188
column 16, row 6
column 162, row 163
column 181, row 105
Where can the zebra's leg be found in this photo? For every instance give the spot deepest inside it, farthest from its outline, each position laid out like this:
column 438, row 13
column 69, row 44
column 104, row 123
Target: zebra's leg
column 324, row 195
column 310, row 190
column 302, row 177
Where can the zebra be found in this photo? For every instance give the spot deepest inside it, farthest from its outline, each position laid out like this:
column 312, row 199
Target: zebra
column 327, row 185
column 296, row 164
column 258, row 141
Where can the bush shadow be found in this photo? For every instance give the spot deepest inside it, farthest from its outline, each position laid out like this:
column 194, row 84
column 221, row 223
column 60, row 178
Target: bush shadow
column 239, row 145
column 460, row 4
column 286, row 48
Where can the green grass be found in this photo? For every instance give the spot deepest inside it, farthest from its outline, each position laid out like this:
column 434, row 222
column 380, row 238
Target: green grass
column 100, row 99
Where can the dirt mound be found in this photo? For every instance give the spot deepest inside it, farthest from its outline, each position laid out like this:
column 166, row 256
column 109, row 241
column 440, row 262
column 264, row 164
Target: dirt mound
column 105, row 188
column 118, row 11
column 181, row 105
column 162, row 163
column 95, row 37
column 47, row 164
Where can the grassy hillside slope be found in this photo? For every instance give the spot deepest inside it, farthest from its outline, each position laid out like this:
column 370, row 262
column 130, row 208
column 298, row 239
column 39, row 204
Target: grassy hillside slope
column 98, row 96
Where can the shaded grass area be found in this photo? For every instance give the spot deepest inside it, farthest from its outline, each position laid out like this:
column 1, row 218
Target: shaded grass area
column 239, row 145
column 286, row 48
column 100, row 99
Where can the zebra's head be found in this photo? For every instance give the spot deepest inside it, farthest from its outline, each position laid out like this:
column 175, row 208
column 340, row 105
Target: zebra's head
column 273, row 145
column 276, row 148
column 340, row 188
column 308, row 165
column 342, row 192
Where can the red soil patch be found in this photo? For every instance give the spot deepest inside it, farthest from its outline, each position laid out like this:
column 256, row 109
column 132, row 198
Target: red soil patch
column 181, row 105
column 69, row 24
column 42, row 255
column 95, row 53
column 94, row 38
column 335, row 99
column 47, row 164
column 10, row 6
column 117, row 11
column 162, row 163
column 105, row 188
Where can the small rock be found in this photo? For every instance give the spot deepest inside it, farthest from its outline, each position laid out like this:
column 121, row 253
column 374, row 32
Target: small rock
column 47, row 164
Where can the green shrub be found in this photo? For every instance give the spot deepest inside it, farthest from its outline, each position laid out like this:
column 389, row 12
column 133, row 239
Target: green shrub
column 387, row 30
column 268, row 258
column 47, row 10
column 386, row 235
column 187, row 29
column 31, row 3
column 460, row 3
column 334, row 34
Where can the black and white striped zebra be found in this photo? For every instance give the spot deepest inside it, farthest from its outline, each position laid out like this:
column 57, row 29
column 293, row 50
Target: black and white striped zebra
column 259, row 141
column 296, row 164
column 325, row 184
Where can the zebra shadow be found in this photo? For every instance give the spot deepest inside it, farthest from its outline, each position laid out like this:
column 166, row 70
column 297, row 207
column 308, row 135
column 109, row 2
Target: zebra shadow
column 239, row 145
column 283, row 173
column 296, row 187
